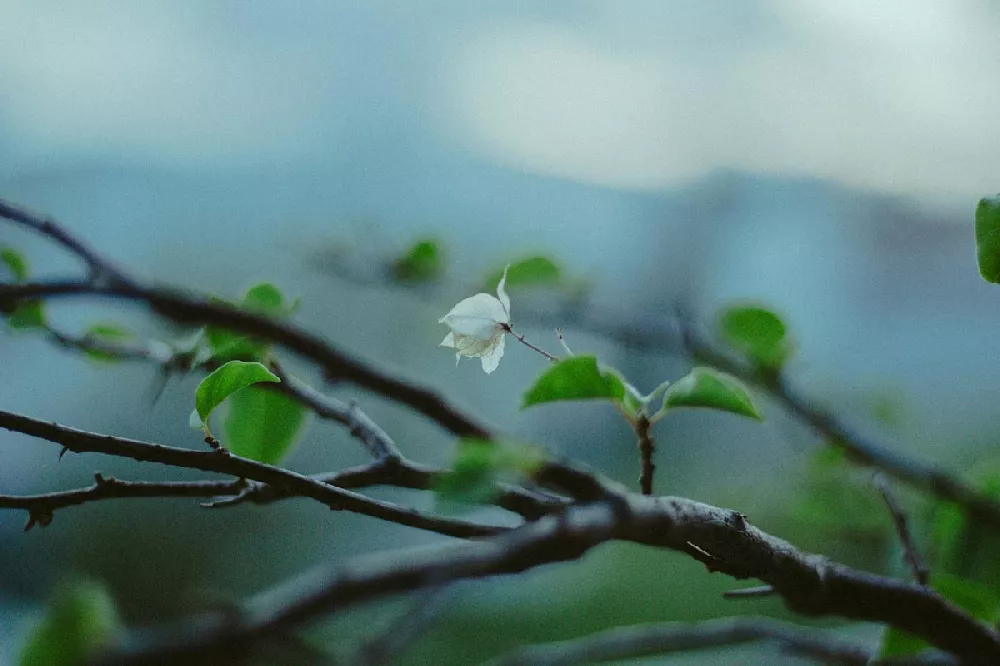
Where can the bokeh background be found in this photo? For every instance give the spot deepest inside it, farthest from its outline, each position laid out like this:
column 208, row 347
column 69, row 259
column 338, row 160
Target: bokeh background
column 823, row 157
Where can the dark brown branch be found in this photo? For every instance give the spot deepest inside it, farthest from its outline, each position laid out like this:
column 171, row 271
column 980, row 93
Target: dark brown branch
column 337, row 366
column 656, row 335
column 226, row 463
column 911, row 554
column 657, row 639
column 99, row 267
column 646, row 449
column 860, row 449
column 401, row 473
column 41, row 507
column 809, row 584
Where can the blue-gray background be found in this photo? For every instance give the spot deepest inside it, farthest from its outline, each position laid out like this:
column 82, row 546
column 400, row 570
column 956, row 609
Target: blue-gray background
column 820, row 156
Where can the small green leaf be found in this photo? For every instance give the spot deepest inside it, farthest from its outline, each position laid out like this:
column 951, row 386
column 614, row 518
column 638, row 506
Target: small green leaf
column 575, row 378
column 15, row 263
column 263, row 298
column 707, row 387
column 471, row 479
column 977, row 600
column 529, row 272
column 424, row 261
column 108, row 332
column 227, row 380
column 262, row 424
column 479, row 465
column 28, row 315
column 988, row 238
column 80, row 620
column 757, row 332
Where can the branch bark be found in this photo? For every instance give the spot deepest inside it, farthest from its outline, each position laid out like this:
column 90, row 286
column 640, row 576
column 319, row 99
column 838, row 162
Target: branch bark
column 809, row 584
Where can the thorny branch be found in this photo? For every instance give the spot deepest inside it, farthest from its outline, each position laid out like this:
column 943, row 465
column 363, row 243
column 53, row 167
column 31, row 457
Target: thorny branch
column 223, row 462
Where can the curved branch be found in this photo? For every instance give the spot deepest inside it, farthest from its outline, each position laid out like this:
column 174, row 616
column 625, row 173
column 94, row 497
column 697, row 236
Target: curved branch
column 338, row 366
column 809, row 584
column 859, row 448
column 223, row 462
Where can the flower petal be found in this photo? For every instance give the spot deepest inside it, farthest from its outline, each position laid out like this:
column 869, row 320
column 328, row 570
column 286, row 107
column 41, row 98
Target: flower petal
column 477, row 316
column 449, row 340
column 502, row 294
column 492, row 359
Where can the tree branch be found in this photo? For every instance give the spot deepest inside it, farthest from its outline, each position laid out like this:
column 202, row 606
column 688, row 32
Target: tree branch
column 809, row 584
column 657, row 639
column 99, row 267
column 186, row 308
column 223, row 462
column 860, row 449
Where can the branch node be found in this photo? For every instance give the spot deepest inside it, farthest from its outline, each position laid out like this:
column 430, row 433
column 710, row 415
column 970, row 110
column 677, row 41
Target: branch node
column 216, row 445
column 40, row 517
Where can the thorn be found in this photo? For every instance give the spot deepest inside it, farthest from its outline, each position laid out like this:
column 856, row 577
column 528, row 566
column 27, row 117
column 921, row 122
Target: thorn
column 41, row 517
column 63, row 452
column 101, row 480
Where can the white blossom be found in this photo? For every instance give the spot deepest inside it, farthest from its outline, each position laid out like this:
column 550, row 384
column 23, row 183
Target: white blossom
column 478, row 325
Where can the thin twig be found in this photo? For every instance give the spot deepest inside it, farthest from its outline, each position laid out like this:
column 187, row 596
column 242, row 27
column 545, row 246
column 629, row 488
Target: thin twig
column 236, row 466
column 520, row 338
column 902, row 524
column 659, row 639
column 409, row 626
column 750, row 592
column 646, row 449
column 40, row 507
column 100, row 268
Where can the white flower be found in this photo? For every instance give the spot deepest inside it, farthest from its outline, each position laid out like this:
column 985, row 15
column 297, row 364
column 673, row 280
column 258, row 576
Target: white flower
column 478, row 325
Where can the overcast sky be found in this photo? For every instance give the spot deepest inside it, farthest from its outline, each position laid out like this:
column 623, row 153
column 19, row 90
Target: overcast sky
column 898, row 96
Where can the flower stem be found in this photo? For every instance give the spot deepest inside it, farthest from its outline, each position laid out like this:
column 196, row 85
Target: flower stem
column 520, row 338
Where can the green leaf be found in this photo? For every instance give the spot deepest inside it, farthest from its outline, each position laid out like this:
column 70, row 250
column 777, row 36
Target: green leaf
column 471, row 479
column 835, row 499
column 978, row 600
column 80, row 620
column 757, row 332
column 963, row 545
column 28, row 315
column 575, row 378
column 707, row 387
column 15, row 263
column 263, row 298
column 262, row 424
column 424, row 261
column 529, row 272
column 988, row 238
column 108, row 332
column 227, row 380
column 479, row 465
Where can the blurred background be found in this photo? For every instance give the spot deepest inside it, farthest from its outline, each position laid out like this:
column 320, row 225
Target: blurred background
column 821, row 157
